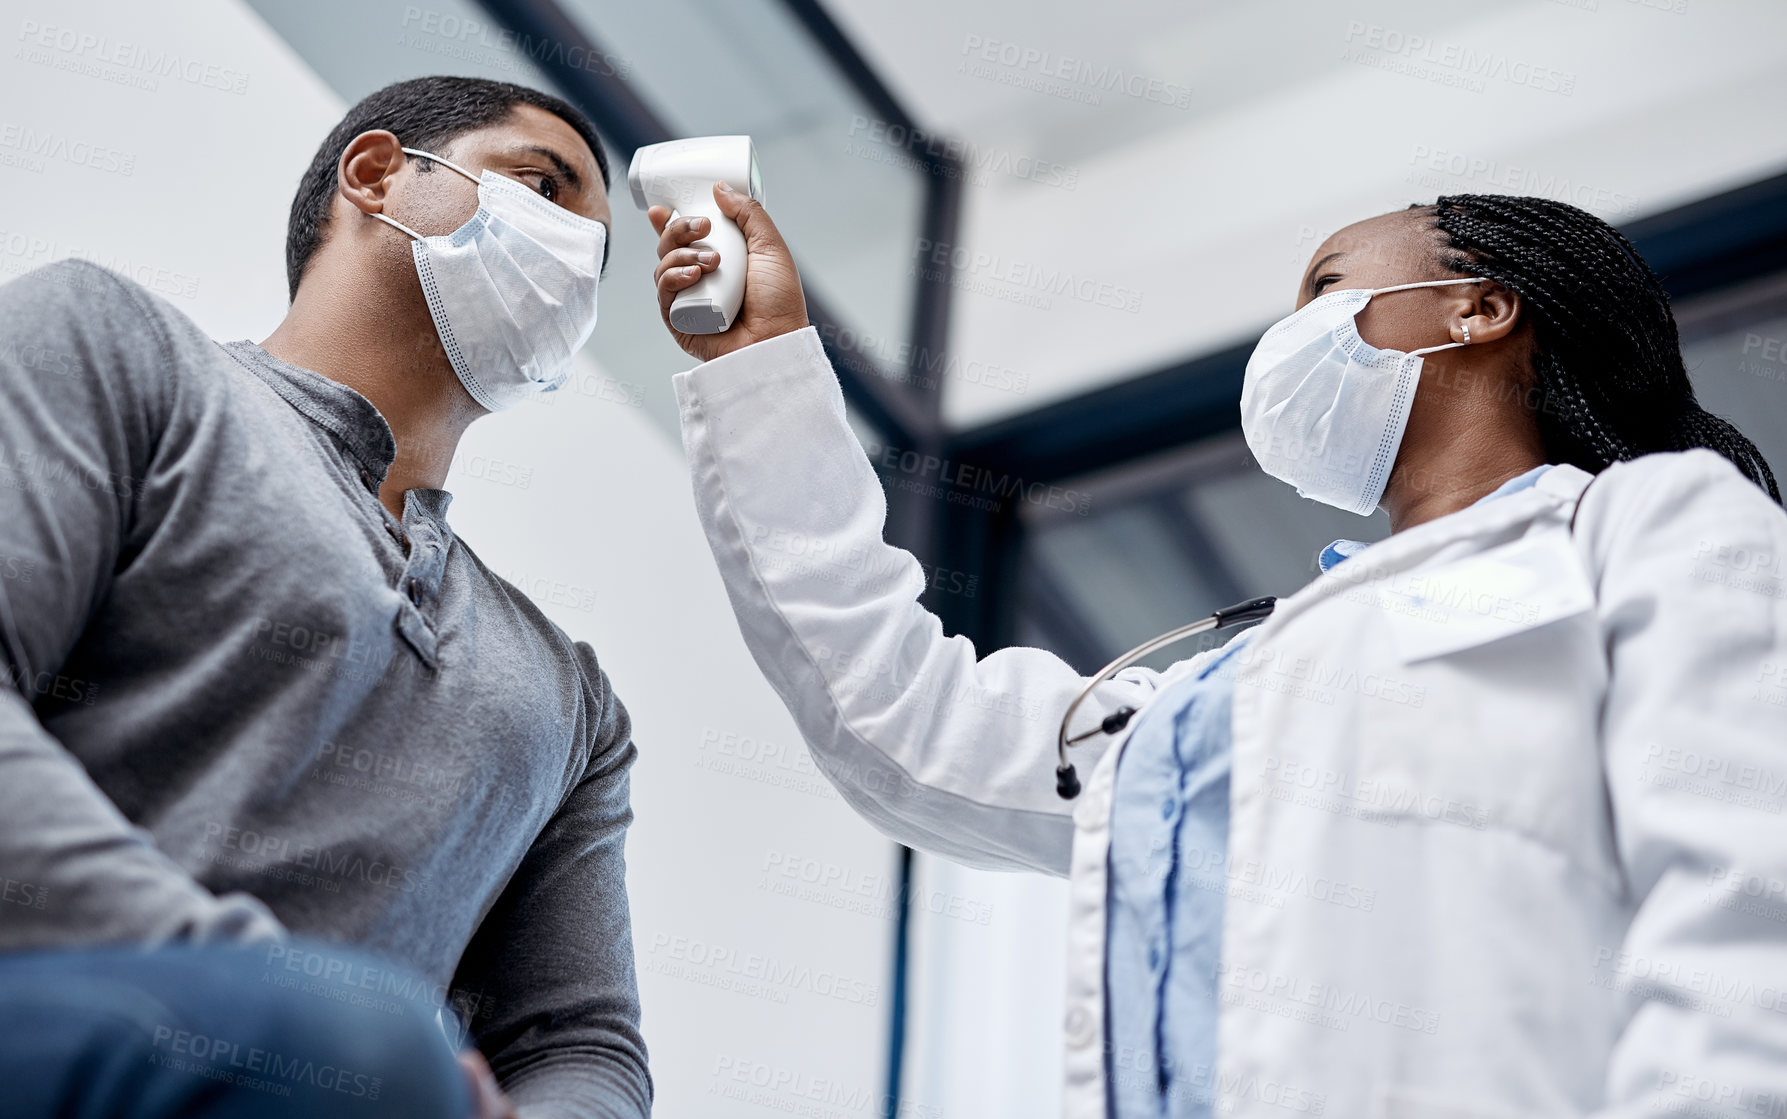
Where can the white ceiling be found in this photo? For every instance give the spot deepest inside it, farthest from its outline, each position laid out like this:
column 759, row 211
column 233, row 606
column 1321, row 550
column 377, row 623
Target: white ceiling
column 1300, row 116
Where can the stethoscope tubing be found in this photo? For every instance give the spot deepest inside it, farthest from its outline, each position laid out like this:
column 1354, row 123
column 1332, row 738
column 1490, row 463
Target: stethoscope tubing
column 1067, row 782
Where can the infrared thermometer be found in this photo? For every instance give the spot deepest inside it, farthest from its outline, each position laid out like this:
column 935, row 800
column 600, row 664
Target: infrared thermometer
column 681, row 174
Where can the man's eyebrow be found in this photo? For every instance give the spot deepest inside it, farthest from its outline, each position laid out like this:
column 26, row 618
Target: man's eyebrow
column 1317, row 266
column 572, row 178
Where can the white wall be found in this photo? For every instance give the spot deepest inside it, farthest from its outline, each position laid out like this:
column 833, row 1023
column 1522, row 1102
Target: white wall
column 581, row 499
column 985, row 1000
column 181, row 184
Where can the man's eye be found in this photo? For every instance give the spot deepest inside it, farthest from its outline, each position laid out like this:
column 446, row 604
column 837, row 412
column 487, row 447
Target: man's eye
column 1324, row 282
column 548, row 186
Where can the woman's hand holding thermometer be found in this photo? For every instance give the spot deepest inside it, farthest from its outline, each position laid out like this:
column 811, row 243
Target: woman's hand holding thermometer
column 772, row 303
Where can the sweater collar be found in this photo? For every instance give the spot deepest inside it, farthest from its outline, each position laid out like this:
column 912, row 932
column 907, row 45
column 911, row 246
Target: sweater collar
column 351, row 418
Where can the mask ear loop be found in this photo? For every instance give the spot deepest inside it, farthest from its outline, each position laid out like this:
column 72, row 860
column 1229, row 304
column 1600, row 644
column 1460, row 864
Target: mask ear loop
column 1420, row 284
column 419, row 153
column 394, row 223
column 1434, row 284
column 1435, row 349
column 431, row 156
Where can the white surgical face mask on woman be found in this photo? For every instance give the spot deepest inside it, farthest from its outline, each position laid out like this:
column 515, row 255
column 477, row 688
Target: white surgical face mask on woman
column 512, row 291
column 1323, row 409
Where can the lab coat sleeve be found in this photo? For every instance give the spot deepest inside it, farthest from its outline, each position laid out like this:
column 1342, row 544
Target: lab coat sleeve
column 940, row 750
column 1691, row 599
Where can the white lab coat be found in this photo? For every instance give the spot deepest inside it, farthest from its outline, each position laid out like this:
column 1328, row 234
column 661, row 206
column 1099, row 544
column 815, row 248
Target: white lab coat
column 1506, row 835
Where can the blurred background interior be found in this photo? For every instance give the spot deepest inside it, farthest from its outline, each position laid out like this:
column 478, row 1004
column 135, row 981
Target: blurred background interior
column 1039, row 239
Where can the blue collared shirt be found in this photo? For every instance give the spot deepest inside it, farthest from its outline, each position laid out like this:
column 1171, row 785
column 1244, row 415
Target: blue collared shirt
column 1168, row 877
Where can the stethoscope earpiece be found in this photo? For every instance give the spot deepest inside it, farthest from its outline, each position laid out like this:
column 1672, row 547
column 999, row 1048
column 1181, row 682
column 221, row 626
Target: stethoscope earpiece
column 1067, row 783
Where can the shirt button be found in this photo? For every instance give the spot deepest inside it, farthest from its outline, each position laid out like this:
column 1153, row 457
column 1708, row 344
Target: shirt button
column 414, row 590
column 1153, row 957
column 1167, row 808
column 1078, row 1027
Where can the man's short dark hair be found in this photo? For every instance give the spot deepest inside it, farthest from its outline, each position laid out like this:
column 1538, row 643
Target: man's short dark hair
column 424, row 113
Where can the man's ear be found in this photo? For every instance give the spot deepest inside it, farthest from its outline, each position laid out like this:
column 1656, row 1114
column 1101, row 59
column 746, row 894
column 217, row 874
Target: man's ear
column 368, row 164
column 1486, row 312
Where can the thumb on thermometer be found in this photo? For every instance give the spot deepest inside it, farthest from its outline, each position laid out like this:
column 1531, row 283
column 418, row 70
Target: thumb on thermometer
column 774, row 303
column 749, row 215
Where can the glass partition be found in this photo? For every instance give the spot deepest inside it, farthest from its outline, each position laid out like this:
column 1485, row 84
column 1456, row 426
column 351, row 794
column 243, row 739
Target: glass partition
column 1165, row 542
column 848, row 194
column 1735, row 346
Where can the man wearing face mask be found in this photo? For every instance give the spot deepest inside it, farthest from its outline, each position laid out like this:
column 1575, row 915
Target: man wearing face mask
column 296, row 795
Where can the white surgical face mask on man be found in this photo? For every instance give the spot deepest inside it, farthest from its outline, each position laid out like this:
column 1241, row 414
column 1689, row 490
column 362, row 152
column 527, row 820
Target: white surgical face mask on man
column 512, row 291
column 1323, row 409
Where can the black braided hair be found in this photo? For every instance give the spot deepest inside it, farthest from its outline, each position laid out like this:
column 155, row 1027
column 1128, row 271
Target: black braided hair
column 1608, row 362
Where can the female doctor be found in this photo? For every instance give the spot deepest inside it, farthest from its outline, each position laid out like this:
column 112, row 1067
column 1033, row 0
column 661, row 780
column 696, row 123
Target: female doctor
column 1483, row 822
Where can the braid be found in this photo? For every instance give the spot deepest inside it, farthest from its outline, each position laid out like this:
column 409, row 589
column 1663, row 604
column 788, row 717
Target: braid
column 1607, row 358
column 1701, row 428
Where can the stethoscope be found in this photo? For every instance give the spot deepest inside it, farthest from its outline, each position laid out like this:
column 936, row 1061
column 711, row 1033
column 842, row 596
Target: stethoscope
column 1067, row 782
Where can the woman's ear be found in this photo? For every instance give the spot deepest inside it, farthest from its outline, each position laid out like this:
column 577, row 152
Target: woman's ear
column 366, row 169
column 1488, row 312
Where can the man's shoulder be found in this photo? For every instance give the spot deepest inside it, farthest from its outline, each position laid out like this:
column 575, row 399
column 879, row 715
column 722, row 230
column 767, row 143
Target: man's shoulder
column 519, row 590
column 524, row 594
column 79, row 314
column 79, row 285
